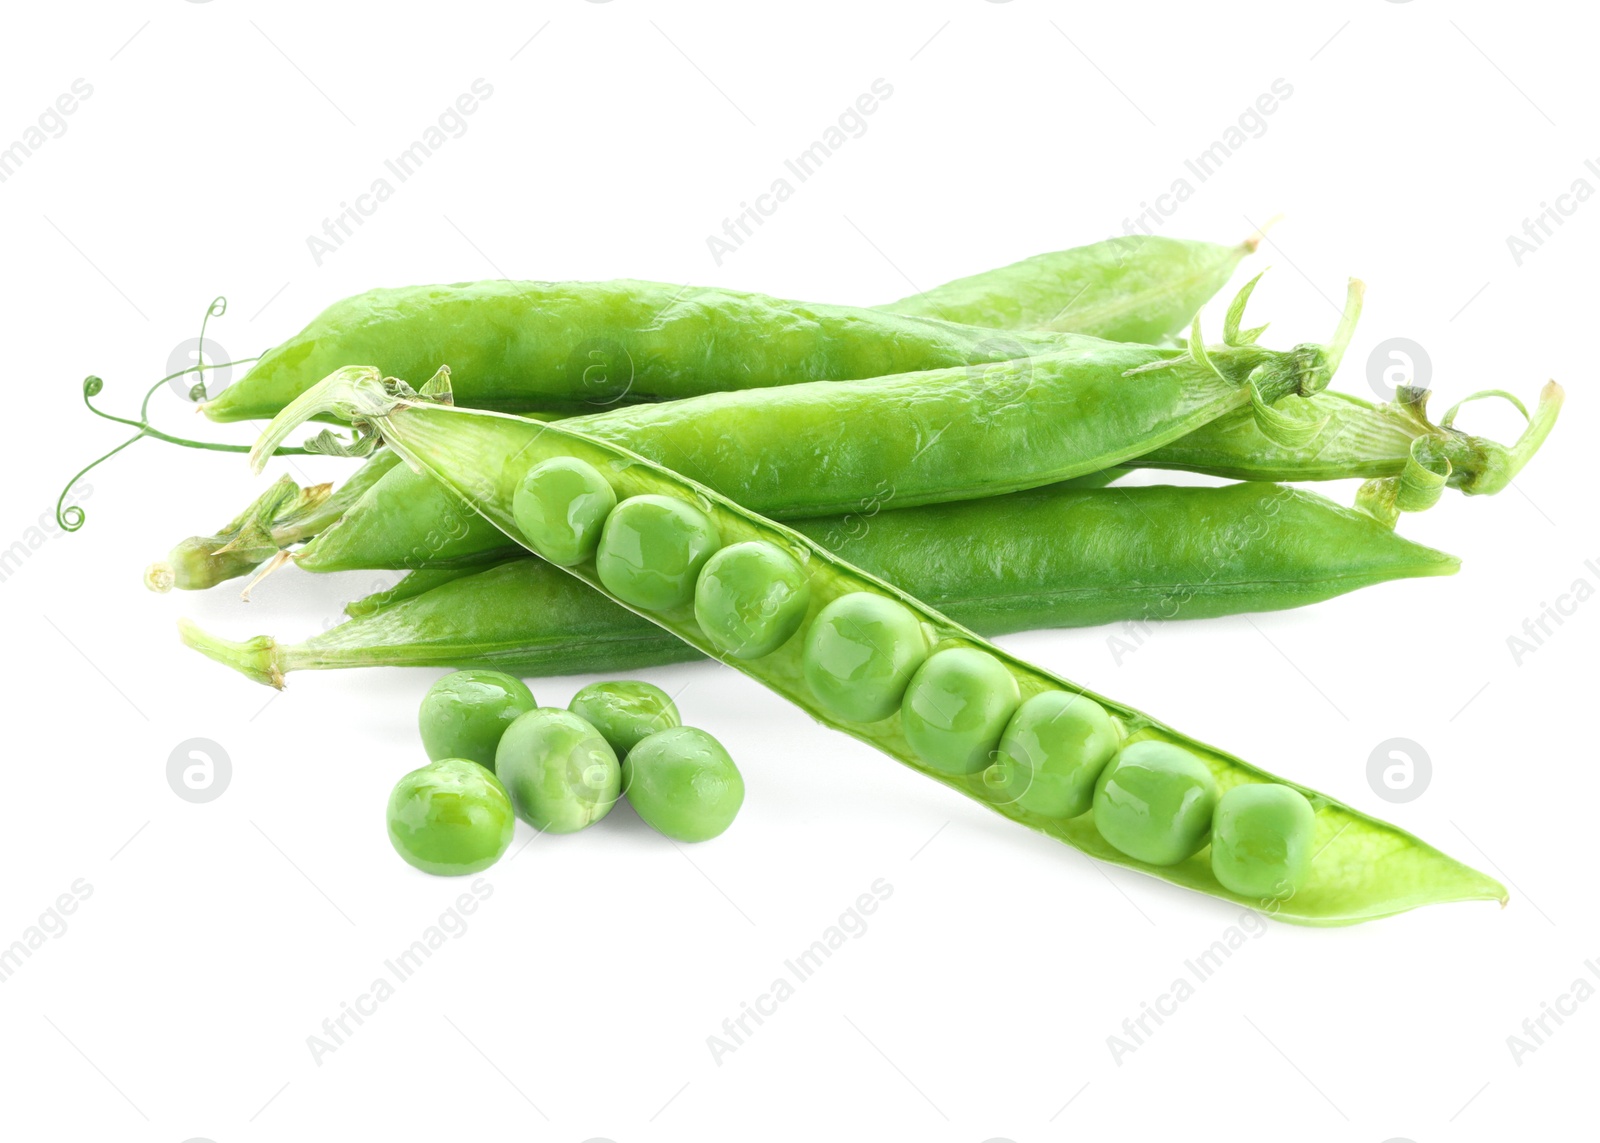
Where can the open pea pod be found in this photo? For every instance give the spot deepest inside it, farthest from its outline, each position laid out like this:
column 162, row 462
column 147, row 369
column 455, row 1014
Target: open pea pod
column 1363, row 868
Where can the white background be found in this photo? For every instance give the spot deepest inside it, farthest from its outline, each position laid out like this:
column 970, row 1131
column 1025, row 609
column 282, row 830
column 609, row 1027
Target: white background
column 978, row 1003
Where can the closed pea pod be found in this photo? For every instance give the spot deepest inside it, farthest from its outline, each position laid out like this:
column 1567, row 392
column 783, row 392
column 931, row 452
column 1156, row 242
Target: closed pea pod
column 552, row 345
column 1069, row 558
column 473, row 453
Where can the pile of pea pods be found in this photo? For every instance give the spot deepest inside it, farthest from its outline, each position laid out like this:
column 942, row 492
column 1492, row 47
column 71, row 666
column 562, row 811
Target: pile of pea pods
column 843, row 503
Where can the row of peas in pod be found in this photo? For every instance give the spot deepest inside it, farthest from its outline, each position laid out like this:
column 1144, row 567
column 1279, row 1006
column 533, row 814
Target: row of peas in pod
column 867, row 657
column 497, row 756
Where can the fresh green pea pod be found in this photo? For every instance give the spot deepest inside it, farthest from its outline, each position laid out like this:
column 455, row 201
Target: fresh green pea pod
column 1137, row 287
column 1365, row 869
column 576, row 345
column 857, row 446
column 1067, row 558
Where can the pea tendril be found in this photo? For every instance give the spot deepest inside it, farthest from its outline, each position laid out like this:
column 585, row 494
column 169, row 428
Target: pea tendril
column 71, row 517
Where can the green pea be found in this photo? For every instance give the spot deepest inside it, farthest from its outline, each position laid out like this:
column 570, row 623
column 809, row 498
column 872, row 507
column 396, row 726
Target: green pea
column 1051, row 754
column 1261, row 840
column 560, row 507
column 751, row 598
column 956, row 708
column 1154, row 802
column 652, row 549
column 860, row 654
column 464, row 714
column 561, row 775
column 682, row 782
column 625, row 711
column 450, row 817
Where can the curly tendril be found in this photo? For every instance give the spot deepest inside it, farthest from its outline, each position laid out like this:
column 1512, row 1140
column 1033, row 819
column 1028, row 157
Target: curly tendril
column 71, row 517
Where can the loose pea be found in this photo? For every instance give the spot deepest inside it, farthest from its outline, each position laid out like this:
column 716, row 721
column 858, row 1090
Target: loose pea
column 1154, row 802
column 956, row 708
column 450, row 817
column 1051, row 754
column 625, row 711
column 652, row 549
column 561, row 775
column 464, row 714
column 1261, row 840
column 682, row 782
column 861, row 653
column 561, row 506
column 751, row 598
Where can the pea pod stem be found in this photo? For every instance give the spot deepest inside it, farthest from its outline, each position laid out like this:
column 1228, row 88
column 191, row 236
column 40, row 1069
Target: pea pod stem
column 1366, row 868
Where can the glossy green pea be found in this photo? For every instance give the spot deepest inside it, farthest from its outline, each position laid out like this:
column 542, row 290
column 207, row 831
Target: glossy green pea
column 860, row 654
column 1052, row 753
column 464, row 714
column 1154, row 802
column 561, row 775
column 682, row 782
column 1261, row 840
column 751, row 598
column 625, row 711
column 652, row 549
column 956, row 708
column 450, row 817
column 560, row 507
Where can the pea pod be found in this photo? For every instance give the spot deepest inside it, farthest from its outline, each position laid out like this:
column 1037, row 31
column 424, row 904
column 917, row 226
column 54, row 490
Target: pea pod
column 577, row 346
column 1365, row 868
column 1136, row 287
column 919, row 438
column 573, row 345
column 1051, row 557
